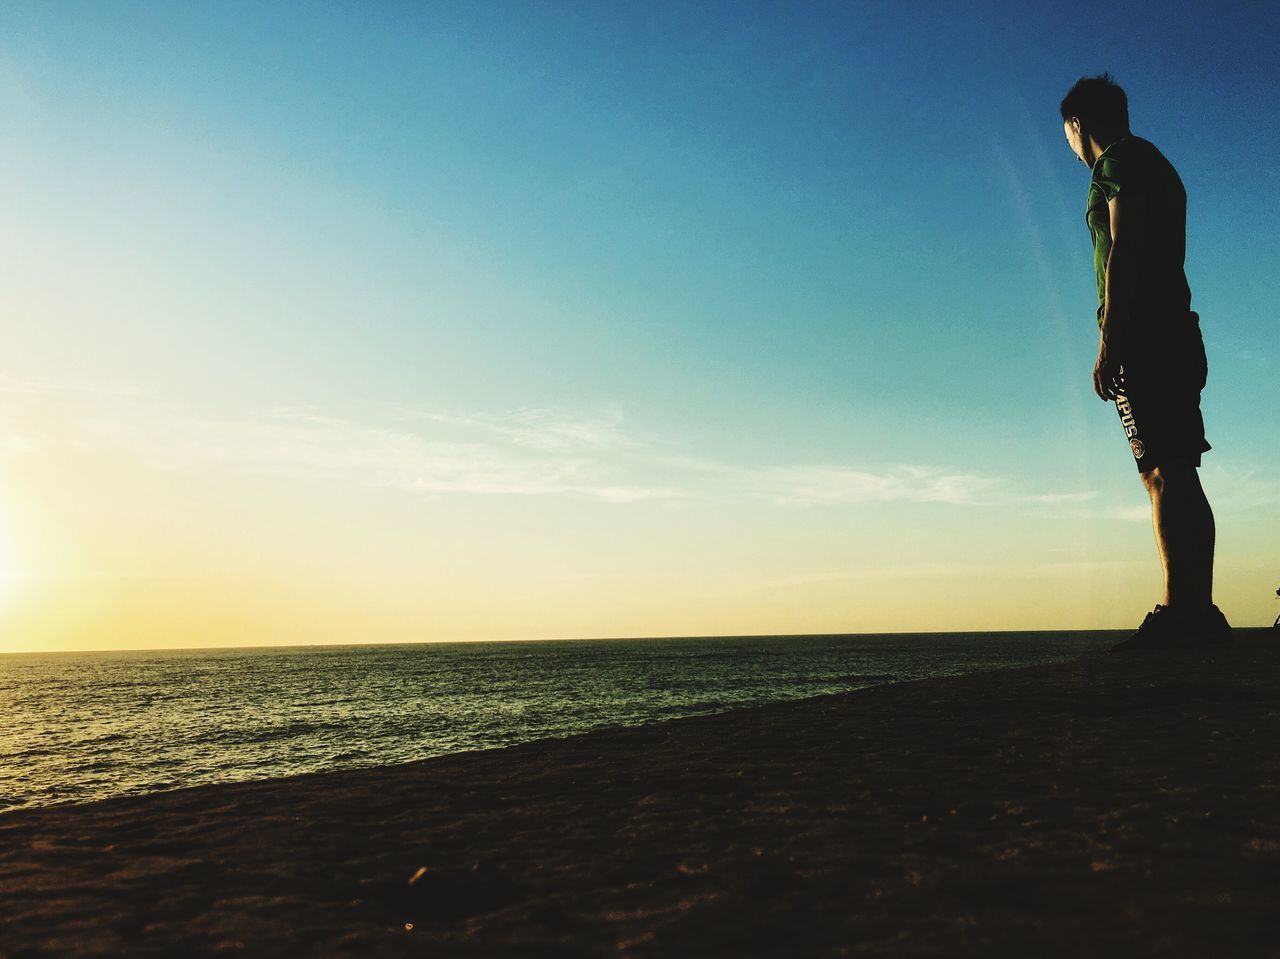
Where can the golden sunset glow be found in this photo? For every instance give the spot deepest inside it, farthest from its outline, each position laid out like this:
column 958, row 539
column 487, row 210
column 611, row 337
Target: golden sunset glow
column 593, row 346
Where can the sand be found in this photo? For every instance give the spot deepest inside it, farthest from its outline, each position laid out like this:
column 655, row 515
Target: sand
column 1115, row 805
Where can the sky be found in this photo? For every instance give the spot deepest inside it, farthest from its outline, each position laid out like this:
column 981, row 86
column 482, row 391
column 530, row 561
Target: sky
column 355, row 323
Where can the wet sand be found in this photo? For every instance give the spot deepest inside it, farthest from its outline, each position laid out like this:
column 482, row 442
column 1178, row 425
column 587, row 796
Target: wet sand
column 1122, row 805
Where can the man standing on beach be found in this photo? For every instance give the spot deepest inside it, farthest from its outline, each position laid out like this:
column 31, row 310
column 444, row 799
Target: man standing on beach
column 1151, row 358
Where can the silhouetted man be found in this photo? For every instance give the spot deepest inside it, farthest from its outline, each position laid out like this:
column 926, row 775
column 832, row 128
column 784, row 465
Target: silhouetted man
column 1151, row 358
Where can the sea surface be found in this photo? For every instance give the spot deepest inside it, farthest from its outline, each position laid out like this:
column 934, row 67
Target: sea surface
column 76, row 727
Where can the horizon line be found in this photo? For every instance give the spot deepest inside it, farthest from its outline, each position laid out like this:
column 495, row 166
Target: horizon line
column 570, row 639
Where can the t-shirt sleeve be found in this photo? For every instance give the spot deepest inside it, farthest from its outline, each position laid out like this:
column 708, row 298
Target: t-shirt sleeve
column 1109, row 174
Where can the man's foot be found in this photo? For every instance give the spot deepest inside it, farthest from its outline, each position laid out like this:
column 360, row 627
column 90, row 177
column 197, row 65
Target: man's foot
column 1213, row 627
column 1159, row 630
column 1166, row 629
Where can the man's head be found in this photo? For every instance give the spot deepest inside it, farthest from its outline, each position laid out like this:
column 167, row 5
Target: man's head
column 1095, row 113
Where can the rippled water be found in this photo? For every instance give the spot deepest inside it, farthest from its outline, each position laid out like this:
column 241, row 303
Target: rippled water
column 84, row 726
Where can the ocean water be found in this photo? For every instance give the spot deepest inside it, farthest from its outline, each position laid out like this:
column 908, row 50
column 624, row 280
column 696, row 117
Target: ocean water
column 75, row 727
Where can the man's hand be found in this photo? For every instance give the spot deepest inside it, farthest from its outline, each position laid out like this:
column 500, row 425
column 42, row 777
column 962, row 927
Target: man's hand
column 1106, row 373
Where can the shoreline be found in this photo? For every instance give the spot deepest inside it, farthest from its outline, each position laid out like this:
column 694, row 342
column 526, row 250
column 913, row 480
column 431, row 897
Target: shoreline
column 318, row 710
column 1113, row 804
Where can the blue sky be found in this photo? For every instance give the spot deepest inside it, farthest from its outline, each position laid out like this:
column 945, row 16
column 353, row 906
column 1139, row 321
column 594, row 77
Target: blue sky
column 749, row 310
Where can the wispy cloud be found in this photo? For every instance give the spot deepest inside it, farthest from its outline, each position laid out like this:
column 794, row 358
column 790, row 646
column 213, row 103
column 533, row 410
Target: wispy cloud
column 1058, row 499
column 542, row 428
column 527, row 451
column 1231, row 489
column 1082, row 505
column 522, row 452
column 828, row 484
column 1236, row 489
column 300, row 444
column 1139, row 513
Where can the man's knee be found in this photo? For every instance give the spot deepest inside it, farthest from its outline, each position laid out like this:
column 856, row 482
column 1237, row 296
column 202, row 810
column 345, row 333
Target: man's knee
column 1173, row 473
column 1153, row 480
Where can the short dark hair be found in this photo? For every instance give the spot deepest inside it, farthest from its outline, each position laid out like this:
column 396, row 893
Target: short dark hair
column 1099, row 103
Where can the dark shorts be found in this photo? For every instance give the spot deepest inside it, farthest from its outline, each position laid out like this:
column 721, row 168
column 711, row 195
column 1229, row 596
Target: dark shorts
column 1159, row 402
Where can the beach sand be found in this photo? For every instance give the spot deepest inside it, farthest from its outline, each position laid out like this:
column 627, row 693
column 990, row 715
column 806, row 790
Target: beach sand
column 1114, row 805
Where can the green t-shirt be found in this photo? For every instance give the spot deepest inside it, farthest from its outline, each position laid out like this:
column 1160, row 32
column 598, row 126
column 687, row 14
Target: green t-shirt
column 1161, row 295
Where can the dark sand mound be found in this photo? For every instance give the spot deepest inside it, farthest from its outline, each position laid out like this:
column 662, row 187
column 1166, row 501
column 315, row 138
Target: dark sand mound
column 1109, row 806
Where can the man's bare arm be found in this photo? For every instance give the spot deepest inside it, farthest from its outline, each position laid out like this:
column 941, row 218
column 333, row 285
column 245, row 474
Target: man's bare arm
column 1119, row 292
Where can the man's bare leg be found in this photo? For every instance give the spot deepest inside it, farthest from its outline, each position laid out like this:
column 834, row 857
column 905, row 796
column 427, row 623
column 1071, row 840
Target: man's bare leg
column 1184, row 528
